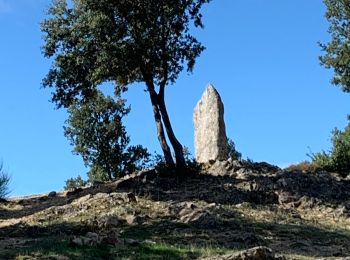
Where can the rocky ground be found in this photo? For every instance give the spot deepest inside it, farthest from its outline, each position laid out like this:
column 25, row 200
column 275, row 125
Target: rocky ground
column 230, row 210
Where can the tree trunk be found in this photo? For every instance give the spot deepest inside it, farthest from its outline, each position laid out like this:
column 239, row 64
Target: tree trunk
column 178, row 149
column 160, row 130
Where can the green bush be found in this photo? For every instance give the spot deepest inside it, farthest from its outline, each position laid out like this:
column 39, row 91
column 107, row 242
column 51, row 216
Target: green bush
column 231, row 150
column 192, row 166
column 98, row 174
column 4, row 183
column 96, row 131
column 75, row 183
column 338, row 158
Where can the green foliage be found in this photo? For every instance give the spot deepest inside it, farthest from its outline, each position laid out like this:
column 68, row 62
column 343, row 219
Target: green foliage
column 231, row 150
column 192, row 166
column 123, row 41
column 4, row 183
column 130, row 41
column 74, row 183
column 52, row 247
column 96, row 131
column 337, row 51
column 97, row 173
column 338, row 158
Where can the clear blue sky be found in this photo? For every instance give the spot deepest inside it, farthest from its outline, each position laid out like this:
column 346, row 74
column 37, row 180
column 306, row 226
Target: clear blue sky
column 262, row 56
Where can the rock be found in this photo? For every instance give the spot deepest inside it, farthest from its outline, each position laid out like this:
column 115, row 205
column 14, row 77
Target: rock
column 90, row 239
column 101, row 196
column 129, row 197
column 52, row 194
column 112, row 238
column 132, row 242
column 83, row 199
column 286, row 197
column 220, row 168
column 256, row 253
column 130, row 219
column 73, row 192
column 201, row 218
column 137, row 219
column 108, row 222
column 209, row 127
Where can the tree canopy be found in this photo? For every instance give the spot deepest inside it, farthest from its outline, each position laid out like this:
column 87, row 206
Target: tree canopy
column 96, row 131
column 124, row 42
column 337, row 51
column 4, row 183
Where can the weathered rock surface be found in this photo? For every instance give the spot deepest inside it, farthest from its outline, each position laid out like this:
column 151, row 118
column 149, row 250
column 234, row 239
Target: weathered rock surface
column 209, row 127
column 256, row 253
column 231, row 204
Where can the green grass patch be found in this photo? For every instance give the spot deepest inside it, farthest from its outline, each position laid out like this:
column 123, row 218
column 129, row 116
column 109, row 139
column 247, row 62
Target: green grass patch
column 57, row 248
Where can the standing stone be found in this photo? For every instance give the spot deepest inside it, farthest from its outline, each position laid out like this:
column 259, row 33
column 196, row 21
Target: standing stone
column 209, row 127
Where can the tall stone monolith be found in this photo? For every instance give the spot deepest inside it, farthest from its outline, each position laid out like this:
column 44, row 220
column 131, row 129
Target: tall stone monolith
column 209, row 127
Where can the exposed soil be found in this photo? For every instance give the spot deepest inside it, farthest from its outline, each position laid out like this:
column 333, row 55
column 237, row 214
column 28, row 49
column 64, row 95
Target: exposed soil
column 228, row 205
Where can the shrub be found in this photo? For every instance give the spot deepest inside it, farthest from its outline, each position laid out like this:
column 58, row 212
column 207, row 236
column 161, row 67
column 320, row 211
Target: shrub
column 192, row 167
column 338, row 158
column 4, row 183
column 231, row 150
column 74, row 183
column 96, row 131
column 304, row 166
column 98, row 174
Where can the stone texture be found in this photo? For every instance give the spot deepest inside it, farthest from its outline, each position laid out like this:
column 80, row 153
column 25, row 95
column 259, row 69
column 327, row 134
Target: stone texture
column 209, row 127
column 256, row 253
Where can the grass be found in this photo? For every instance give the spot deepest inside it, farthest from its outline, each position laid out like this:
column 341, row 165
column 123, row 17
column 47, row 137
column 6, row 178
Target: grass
column 281, row 229
column 297, row 233
column 56, row 248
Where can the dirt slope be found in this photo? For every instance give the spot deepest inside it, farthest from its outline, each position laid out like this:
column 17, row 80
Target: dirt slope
column 228, row 206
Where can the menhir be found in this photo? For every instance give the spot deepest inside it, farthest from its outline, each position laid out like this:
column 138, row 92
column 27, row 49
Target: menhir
column 209, row 127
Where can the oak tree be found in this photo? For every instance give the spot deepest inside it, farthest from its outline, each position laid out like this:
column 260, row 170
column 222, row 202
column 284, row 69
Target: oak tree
column 124, row 42
column 337, row 50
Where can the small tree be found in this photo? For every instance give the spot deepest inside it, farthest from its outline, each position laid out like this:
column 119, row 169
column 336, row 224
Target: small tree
column 231, row 150
column 74, row 183
column 4, row 183
column 337, row 57
column 124, row 41
column 96, row 131
column 337, row 51
column 338, row 158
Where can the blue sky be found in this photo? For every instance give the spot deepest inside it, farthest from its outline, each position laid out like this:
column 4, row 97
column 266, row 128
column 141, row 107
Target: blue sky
column 262, row 56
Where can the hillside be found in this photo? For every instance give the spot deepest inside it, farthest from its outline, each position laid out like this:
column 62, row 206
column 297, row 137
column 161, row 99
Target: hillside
column 218, row 213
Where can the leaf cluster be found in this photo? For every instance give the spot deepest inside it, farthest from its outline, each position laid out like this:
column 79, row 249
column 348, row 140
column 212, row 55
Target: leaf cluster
column 74, row 183
column 96, row 131
column 231, row 150
column 338, row 158
column 4, row 183
column 337, row 51
column 123, row 41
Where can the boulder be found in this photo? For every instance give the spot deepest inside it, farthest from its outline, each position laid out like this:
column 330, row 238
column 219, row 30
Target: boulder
column 256, row 253
column 209, row 127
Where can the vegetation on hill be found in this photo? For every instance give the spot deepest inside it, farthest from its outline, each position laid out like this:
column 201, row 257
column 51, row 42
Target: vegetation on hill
column 232, row 151
column 157, row 215
column 96, row 131
column 301, row 212
column 125, row 42
column 338, row 158
column 4, row 182
column 337, row 57
column 337, row 51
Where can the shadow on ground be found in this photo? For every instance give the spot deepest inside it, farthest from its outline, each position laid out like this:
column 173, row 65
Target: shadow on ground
column 227, row 229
